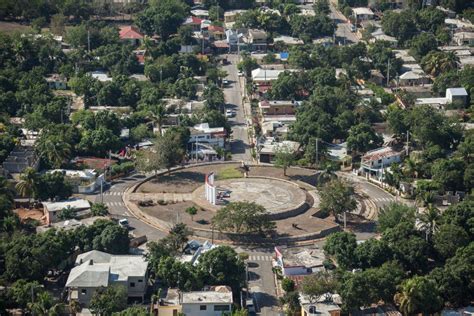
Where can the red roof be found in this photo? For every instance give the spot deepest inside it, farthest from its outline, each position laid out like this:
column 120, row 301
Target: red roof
column 141, row 59
column 215, row 28
column 193, row 20
column 130, row 32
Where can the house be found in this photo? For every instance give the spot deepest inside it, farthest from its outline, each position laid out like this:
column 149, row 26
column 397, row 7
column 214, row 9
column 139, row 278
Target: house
column 52, row 209
column 268, row 147
column 288, row 40
column 362, row 14
column 275, row 129
column 131, row 34
column 83, row 181
column 458, row 24
column 375, row 160
column 95, row 269
column 216, row 32
column 414, row 77
column 203, row 134
column 380, row 35
column 320, row 309
column 299, row 261
column 56, row 82
column 230, row 17
column 256, row 40
column 324, row 41
column 464, row 38
column 404, row 55
column 200, row 13
column 376, row 77
column 194, row 23
column 270, row 108
column 100, row 75
column 447, row 12
column 307, row 12
column 457, row 96
column 263, row 76
column 20, row 158
column 215, row 302
column 169, row 303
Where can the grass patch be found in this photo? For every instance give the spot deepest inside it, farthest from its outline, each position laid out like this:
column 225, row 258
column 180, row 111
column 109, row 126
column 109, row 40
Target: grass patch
column 228, row 173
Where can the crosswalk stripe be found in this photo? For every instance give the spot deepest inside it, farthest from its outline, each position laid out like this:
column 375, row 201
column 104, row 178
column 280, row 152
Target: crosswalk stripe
column 114, row 203
column 260, row 258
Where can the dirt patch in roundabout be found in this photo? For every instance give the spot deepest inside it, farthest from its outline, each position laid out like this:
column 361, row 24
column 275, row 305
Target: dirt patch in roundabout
column 291, row 200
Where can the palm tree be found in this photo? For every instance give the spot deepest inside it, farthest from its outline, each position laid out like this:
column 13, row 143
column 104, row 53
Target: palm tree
column 54, row 150
column 436, row 63
column 429, row 221
column 425, row 198
column 327, row 174
column 44, row 305
column 27, row 185
column 410, row 168
column 157, row 114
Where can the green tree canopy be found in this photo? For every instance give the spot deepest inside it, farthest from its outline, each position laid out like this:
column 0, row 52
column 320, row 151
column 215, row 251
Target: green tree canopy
column 243, row 217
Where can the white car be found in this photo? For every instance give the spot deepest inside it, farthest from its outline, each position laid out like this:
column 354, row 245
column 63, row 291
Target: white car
column 230, row 113
column 123, row 222
column 225, row 82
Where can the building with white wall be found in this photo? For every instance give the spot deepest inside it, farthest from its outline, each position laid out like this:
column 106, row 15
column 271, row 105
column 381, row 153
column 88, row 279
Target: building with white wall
column 207, row 303
column 97, row 269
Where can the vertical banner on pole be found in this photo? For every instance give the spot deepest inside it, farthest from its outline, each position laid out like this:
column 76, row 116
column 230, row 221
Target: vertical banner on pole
column 210, row 189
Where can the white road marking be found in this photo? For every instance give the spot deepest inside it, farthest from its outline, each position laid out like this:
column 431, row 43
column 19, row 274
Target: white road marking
column 260, row 258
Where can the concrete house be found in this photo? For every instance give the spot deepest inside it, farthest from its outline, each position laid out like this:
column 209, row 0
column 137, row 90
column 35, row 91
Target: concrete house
column 20, row 158
column 362, row 14
column 203, row 134
column 294, row 262
column 375, row 160
column 56, row 82
column 207, row 303
column 130, row 34
column 256, row 40
column 95, row 269
column 52, row 209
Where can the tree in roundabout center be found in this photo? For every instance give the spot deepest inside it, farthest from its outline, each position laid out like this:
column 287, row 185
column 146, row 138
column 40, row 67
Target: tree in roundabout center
column 243, row 217
column 337, row 197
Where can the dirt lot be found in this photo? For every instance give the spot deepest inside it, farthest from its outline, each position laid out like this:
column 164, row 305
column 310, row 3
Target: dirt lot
column 299, row 225
column 188, row 180
column 12, row 27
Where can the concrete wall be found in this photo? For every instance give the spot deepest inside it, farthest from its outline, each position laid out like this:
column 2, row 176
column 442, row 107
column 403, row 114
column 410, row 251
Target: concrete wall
column 194, row 309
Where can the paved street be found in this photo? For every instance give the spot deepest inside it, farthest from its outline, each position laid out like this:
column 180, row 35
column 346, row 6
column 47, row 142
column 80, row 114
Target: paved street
column 344, row 34
column 233, row 96
column 113, row 199
column 261, row 279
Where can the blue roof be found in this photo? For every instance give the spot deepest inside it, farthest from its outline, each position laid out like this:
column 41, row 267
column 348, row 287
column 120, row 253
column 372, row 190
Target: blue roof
column 284, row 55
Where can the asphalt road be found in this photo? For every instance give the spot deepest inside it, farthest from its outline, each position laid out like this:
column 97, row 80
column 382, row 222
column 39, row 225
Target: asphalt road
column 233, row 93
column 344, row 35
column 112, row 197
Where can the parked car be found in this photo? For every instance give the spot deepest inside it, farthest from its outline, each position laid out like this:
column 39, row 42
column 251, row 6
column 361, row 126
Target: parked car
column 353, row 28
column 225, row 82
column 250, row 306
column 230, row 113
column 124, row 223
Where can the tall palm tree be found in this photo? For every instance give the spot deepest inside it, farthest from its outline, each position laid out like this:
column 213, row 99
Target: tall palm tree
column 436, row 63
column 27, row 185
column 410, row 168
column 157, row 113
column 429, row 221
column 44, row 305
column 55, row 150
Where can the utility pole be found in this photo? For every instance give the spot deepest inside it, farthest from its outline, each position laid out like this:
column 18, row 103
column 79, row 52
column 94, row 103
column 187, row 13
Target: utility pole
column 408, row 142
column 88, row 40
column 388, row 72
column 317, row 151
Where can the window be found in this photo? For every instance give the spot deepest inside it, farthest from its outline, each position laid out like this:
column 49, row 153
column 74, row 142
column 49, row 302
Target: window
column 221, row 308
column 83, row 291
column 140, row 281
column 132, row 284
column 202, row 307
